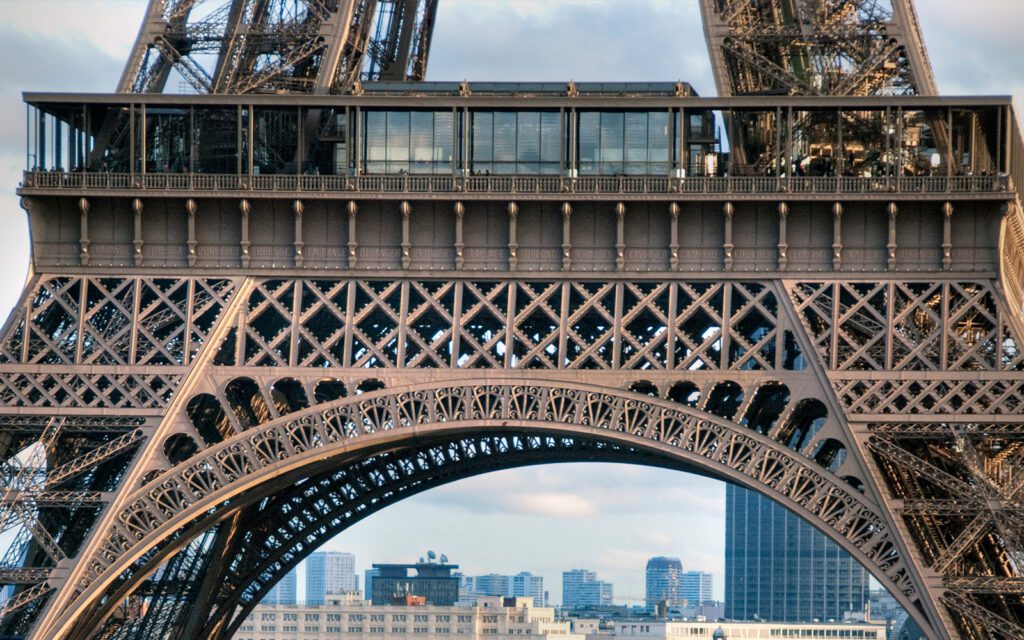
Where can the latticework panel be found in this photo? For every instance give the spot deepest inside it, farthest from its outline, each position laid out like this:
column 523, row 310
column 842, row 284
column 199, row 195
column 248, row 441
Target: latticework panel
column 908, row 326
column 520, row 324
column 137, row 321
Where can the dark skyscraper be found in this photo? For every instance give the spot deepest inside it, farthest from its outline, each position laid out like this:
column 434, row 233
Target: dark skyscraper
column 779, row 568
column 664, row 582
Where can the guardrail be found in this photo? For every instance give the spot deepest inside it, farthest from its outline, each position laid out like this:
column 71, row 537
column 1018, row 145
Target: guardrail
column 549, row 185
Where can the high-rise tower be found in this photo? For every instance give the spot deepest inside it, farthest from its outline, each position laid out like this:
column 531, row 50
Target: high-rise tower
column 664, row 579
column 779, row 568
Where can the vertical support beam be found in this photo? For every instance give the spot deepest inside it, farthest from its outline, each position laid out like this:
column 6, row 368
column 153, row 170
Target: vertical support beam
column 513, row 244
column 190, row 207
column 789, row 142
column 250, row 152
column 566, row 236
column 83, row 231
column 353, row 246
column 298, row 208
column 727, row 246
column 891, row 246
column 403, row 323
column 406, row 210
column 131, row 139
column 456, row 343
column 244, row 208
column 190, row 313
column 143, row 151
column 947, row 236
column 684, row 145
column 837, row 236
column 620, row 236
column 950, row 148
column 897, row 154
column 137, row 209
column 510, row 325
column 673, row 238
column 460, row 246
column 466, row 128
column 778, row 149
column 783, row 244
column 238, row 140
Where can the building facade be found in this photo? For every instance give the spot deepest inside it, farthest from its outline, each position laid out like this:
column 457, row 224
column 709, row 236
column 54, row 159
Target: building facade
column 521, row 585
column 646, row 630
column 329, row 572
column 492, row 618
column 284, row 592
column 581, row 589
column 697, row 587
column 430, row 580
column 779, row 568
column 528, row 585
column 664, row 582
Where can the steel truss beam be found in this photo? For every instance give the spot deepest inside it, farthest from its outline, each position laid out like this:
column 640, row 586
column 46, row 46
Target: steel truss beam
column 292, row 46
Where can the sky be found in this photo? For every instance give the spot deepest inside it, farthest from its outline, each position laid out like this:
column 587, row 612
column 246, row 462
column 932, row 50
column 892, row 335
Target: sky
column 547, row 519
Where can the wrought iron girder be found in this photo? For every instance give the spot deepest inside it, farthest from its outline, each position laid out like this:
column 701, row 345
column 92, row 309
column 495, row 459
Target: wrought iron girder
column 94, row 457
column 23, row 598
column 998, row 585
column 823, row 39
column 992, row 625
column 24, row 575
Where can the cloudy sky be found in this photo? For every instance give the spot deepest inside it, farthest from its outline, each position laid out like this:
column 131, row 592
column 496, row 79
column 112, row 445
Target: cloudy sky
column 609, row 518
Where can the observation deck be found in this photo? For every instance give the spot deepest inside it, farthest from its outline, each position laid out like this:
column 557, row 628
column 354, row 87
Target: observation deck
column 525, row 177
column 534, row 140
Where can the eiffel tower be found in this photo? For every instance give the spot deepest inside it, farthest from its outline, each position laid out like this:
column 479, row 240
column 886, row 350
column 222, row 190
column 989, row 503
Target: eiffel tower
column 315, row 284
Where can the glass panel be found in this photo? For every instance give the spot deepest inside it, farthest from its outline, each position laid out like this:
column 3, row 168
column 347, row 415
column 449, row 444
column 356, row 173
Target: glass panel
column 504, row 142
column 376, row 141
column 550, row 142
column 483, row 143
column 277, row 141
column 528, row 152
column 398, row 141
column 216, row 135
column 167, row 140
column 611, row 143
column 588, row 133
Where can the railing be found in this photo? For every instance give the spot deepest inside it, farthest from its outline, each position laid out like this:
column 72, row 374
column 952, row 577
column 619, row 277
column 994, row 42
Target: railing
column 544, row 185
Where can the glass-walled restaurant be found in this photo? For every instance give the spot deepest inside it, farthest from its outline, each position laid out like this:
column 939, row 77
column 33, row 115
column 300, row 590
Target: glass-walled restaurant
column 564, row 139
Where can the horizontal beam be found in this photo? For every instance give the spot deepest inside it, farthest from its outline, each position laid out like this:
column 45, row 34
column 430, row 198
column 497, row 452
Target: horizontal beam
column 422, row 100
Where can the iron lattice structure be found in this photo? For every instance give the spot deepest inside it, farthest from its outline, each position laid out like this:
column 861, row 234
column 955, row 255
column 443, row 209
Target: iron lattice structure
column 250, row 325
column 817, row 47
column 274, row 46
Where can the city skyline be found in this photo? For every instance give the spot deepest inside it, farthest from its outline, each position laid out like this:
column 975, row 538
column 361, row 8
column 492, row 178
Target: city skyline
column 548, row 503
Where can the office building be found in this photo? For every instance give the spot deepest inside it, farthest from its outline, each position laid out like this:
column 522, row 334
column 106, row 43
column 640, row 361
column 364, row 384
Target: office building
column 528, row 585
column 696, row 587
column 492, row 618
column 581, row 589
column 329, row 572
column 664, row 582
column 779, row 568
column 284, row 592
column 521, row 585
column 368, row 576
column 430, row 580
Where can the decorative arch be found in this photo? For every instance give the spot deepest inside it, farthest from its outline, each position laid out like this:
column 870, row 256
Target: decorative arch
column 270, row 458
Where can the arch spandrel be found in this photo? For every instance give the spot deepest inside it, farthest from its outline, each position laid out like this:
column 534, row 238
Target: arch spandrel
column 264, row 459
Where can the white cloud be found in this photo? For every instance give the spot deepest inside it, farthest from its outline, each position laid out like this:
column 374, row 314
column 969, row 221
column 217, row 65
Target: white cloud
column 557, row 505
